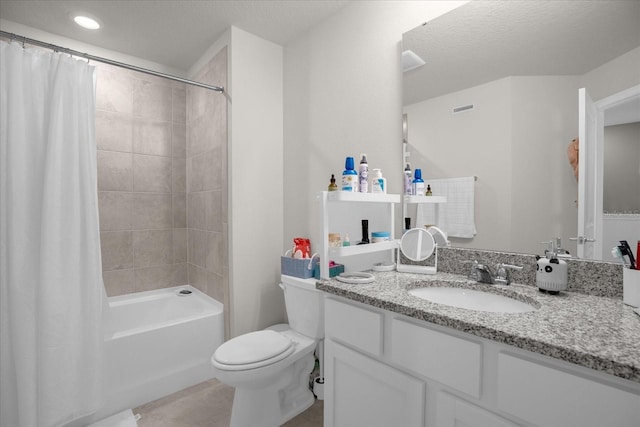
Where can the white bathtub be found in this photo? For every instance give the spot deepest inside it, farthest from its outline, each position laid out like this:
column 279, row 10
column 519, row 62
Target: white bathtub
column 158, row 343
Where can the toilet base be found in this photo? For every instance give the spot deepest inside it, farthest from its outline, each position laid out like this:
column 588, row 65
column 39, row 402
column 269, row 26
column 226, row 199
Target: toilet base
column 318, row 388
column 275, row 404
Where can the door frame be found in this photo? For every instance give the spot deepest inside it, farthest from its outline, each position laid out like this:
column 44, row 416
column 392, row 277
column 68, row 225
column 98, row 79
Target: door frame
column 601, row 107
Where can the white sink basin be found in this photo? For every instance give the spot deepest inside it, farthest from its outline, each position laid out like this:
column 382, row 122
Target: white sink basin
column 472, row 299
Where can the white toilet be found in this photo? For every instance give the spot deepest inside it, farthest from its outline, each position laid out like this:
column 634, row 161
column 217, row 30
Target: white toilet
column 270, row 369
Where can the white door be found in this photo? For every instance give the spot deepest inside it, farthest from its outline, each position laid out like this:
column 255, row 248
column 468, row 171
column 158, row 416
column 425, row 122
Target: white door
column 588, row 178
column 360, row 391
column 454, row 412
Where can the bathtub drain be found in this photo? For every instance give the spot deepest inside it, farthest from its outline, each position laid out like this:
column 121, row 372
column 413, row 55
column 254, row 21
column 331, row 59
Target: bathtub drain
column 184, row 293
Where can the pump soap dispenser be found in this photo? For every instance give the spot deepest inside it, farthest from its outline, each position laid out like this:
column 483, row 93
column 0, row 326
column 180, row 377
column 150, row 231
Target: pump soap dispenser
column 551, row 274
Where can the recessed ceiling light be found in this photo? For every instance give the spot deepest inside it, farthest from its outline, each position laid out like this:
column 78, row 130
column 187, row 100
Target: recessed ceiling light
column 86, row 22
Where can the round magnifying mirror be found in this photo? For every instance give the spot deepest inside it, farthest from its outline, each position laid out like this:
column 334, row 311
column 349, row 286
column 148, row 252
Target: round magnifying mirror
column 417, row 244
column 439, row 236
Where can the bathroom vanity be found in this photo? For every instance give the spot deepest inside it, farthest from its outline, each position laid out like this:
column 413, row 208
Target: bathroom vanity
column 394, row 359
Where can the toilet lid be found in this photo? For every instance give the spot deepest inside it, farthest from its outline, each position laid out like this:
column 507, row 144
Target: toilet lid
column 252, row 348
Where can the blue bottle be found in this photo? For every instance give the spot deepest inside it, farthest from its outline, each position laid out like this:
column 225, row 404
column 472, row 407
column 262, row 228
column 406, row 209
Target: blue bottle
column 417, row 186
column 349, row 176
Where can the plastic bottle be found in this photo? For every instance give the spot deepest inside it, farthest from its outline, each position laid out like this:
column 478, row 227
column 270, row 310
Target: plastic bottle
column 332, row 185
column 363, row 175
column 378, row 183
column 380, row 236
column 349, row 176
column 428, row 193
column 346, row 241
column 365, row 232
column 407, row 225
column 418, row 183
column 407, row 180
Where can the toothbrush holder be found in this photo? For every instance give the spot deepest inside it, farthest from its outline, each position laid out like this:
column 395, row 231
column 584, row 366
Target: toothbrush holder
column 631, row 287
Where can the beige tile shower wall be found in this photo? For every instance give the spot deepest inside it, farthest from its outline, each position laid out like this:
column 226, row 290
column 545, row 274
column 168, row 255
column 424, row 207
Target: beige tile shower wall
column 207, row 193
column 142, row 185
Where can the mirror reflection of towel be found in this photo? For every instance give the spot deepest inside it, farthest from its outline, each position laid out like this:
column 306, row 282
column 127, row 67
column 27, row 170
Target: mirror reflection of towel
column 456, row 216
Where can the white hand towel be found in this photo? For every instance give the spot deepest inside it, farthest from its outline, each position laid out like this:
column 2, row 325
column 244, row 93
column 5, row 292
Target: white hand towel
column 456, row 216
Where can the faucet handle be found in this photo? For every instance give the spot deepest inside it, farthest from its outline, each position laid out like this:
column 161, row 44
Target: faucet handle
column 503, row 275
column 510, row 266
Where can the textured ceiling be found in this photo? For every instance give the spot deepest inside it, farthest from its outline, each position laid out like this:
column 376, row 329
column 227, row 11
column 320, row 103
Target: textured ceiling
column 482, row 41
column 171, row 33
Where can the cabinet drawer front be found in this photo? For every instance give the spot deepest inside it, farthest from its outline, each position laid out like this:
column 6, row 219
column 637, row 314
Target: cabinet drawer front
column 453, row 361
column 552, row 397
column 355, row 326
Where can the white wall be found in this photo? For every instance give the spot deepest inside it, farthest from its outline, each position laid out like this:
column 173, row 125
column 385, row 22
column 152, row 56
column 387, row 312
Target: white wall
column 514, row 141
column 614, row 76
column 446, row 145
column 255, row 158
column 256, row 181
column 544, row 189
column 343, row 97
column 621, row 192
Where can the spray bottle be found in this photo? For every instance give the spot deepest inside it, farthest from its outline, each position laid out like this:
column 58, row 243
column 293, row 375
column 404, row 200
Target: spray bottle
column 363, row 175
column 407, row 180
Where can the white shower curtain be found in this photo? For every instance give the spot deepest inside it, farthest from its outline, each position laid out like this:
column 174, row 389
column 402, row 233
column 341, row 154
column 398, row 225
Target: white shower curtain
column 51, row 293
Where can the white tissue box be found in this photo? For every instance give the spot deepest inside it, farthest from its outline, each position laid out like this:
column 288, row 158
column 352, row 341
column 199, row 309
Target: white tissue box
column 631, row 287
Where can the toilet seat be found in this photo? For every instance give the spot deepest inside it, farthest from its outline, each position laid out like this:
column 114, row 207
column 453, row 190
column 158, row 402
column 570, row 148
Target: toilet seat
column 252, row 350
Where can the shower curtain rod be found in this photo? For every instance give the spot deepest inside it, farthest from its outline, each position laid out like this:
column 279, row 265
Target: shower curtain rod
column 89, row 57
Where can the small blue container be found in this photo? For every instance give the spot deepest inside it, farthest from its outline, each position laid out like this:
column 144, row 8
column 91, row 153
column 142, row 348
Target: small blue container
column 380, row 236
column 333, row 271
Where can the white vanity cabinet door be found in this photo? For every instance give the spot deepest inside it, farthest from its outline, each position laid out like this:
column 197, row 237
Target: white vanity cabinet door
column 360, row 391
column 454, row 412
column 547, row 396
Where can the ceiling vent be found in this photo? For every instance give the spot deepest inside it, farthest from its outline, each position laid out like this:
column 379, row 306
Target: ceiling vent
column 411, row 61
column 462, row 109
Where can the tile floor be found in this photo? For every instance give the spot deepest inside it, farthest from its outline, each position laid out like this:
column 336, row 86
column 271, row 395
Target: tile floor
column 207, row 404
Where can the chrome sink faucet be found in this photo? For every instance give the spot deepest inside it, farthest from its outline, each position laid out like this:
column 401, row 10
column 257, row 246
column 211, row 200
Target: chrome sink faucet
column 482, row 273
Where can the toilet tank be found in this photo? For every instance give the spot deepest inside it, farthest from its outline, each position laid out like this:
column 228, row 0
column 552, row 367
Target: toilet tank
column 305, row 306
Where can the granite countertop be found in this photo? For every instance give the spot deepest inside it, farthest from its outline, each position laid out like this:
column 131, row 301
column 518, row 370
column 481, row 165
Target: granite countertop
column 596, row 332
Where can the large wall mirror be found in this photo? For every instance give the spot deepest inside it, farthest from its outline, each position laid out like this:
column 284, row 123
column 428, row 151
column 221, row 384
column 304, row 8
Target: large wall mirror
column 513, row 70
